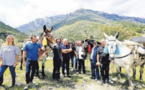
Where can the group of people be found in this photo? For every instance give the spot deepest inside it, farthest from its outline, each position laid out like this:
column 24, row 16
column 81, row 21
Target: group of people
column 62, row 55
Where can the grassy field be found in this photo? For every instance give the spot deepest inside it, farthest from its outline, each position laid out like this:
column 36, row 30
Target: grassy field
column 78, row 82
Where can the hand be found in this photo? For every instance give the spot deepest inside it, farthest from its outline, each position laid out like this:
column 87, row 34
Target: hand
column 1, row 64
column 43, row 48
column 16, row 63
column 98, row 63
column 61, row 60
column 66, row 51
column 24, row 63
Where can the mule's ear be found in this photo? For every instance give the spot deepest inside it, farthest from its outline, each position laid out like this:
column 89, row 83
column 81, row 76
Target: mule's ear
column 117, row 35
column 50, row 29
column 44, row 27
column 106, row 36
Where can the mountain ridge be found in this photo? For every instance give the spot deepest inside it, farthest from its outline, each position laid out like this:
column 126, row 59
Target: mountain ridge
column 81, row 14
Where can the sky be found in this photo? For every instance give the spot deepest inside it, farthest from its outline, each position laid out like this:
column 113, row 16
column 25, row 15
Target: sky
column 19, row 12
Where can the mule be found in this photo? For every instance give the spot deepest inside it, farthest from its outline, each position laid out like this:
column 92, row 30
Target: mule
column 50, row 42
column 125, row 58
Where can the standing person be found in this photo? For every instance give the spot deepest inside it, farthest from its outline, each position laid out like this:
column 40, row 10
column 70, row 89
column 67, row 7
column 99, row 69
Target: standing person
column 81, row 58
column 103, row 62
column 31, row 53
column 57, row 58
column 66, row 57
column 59, row 42
column 72, row 55
column 77, row 57
column 9, row 58
column 94, row 67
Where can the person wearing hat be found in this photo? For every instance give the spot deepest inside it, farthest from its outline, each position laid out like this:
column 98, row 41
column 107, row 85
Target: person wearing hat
column 93, row 58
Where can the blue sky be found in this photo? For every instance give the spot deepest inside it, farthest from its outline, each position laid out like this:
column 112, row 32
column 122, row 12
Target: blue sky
column 19, row 12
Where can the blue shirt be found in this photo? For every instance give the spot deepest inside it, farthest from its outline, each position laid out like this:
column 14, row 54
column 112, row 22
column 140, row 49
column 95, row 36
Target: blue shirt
column 8, row 54
column 32, row 50
column 94, row 59
column 65, row 55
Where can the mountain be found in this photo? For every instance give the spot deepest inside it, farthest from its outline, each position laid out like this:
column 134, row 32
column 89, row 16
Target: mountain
column 85, row 20
column 7, row 30
column 81, row 14
column 38, row 23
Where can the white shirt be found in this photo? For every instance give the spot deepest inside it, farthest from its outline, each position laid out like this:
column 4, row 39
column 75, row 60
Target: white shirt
column 80, row 53
column 92, row 53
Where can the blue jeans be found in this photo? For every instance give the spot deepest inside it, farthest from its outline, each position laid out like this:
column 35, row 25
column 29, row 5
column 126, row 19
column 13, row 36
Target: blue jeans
column 76, row 63
column 30, row 64
column 95, row 70
column 12, row 70
column 72, row 61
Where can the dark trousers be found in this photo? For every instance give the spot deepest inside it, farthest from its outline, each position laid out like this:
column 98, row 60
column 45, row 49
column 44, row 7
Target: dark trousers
column 105, row 71
column 81, row 64
column 21, row 67
column 37, row 69
column 21, row 64
column 12, row 70
column 56, row 69
column 65, row 64
column 95, row 70
column 30, row 66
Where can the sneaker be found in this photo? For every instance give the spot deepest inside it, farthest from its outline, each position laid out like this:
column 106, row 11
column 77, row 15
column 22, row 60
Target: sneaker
column 26, row 87
column 63, row 75
column 72, row 69
column 108, row 81
column 102, row 82
column 96, row 79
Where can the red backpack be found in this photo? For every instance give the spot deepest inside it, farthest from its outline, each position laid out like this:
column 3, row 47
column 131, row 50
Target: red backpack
column 89, row 49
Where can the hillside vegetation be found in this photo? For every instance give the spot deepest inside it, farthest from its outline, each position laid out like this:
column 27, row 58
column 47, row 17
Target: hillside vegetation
column 7, row 30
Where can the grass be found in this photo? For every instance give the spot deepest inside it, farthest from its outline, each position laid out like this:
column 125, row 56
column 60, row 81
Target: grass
column 66, row 83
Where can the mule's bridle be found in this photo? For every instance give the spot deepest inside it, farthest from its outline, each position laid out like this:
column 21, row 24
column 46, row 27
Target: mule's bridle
column 112, row 46
column 121, row 56
column 131, row 52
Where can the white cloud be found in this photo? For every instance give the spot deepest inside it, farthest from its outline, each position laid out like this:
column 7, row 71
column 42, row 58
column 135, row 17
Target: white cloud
column 18, row 12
